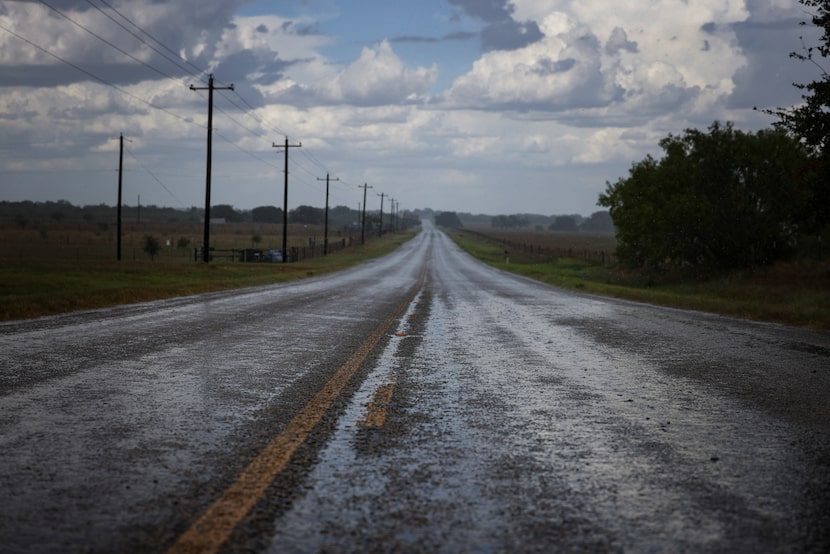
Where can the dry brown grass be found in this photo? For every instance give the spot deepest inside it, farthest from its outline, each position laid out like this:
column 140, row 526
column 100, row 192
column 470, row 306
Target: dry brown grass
column 524, row 245
column 93, row 241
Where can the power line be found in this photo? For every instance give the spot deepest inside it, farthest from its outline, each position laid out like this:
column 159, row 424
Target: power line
column 248, row 152
column 154, row 39
column 93, row 76
column 107, row 42
column 314, row 160
column 258, row 119
column 226, row 114
column 141, row 39
column 147, row 169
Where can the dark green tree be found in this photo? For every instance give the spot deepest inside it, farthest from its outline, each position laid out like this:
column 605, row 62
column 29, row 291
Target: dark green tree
column 225, row 211
column 266, row 214
column 449, row 220
column 716, row 200
column 810, row 121
column 564, row 223
column 513, row 221
column 308, row 215
column 342, row 216
column 599, row 222
column 151, row 246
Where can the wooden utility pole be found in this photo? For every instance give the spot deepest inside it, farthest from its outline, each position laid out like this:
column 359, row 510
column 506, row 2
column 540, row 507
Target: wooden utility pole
column 326, row 226
column 120, row 173
column 380, row 230
column 285, row 198
column 363, row 219
column 210, row 88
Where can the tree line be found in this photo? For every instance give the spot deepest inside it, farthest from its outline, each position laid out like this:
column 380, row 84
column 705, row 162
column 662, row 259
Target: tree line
column 597, row 222
column 27, row 213
column 724, row 198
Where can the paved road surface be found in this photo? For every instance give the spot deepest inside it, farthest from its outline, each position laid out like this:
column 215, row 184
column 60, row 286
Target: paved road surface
column 422, row 402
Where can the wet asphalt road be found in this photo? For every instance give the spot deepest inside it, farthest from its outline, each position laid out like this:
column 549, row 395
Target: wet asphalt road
column 489, row 414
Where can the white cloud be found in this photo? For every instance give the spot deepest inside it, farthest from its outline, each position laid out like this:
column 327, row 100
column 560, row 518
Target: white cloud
column 609, row 60
column 378, row 77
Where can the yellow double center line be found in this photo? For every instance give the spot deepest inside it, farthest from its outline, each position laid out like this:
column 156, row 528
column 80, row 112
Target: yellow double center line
column 375, row 416
column 213, row 528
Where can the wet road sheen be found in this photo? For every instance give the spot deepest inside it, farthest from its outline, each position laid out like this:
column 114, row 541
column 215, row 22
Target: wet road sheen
column 489, row 414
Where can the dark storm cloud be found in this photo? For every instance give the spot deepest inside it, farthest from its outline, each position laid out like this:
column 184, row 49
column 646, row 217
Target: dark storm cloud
column 66, row 54
column 307, row 30
column 501, row 32
column 767, row 78
column 248, row 68
column 490, row 11
column 551, row 67
column 510, row 35
column 239, row 66
column 40, row 75
column 458, row 36
column 619, row 41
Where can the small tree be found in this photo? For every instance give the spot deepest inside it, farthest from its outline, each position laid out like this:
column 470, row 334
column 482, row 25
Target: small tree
column 266, row 214
column 564, row 223
column 182, row 243
column 151, row 246
column 449, row 220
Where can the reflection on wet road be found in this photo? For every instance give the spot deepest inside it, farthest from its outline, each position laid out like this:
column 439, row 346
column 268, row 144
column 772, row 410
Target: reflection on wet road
column 494, row 415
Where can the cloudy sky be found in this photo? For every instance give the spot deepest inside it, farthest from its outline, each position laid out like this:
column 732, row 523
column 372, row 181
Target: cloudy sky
column 482, row 106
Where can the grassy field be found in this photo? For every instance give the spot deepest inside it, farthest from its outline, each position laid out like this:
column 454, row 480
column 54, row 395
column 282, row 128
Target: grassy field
column 76, row 269
column 795, row 293
column 97, row 241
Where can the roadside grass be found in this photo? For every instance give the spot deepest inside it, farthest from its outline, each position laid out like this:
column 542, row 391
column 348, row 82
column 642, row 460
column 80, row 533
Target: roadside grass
column 796, row 293
column 34, row 288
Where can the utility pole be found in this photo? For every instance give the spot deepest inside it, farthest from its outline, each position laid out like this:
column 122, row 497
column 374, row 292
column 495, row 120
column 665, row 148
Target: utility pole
column 120, row 173
column 326, row 226
column 210, row 88
column 285, row 198
column 363, row 220
column 380, row 230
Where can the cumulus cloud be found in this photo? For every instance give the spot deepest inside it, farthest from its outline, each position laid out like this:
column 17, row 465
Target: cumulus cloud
column 605, row 61
column 378, row 77
column 69, row 32
column 561, row 72
column 501, row 30
column 619, row 41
